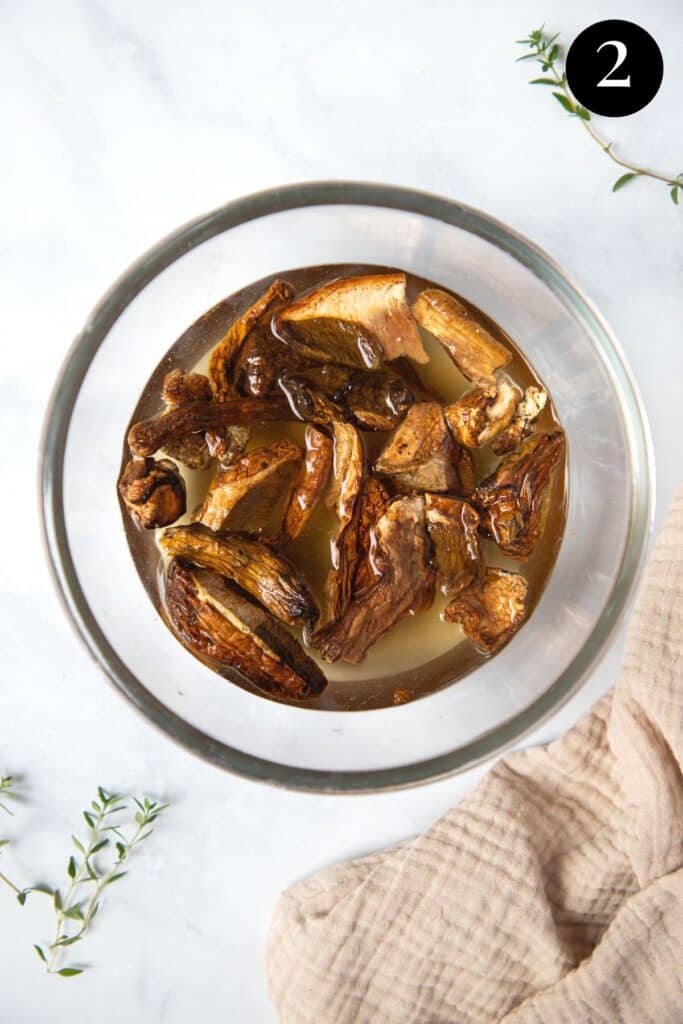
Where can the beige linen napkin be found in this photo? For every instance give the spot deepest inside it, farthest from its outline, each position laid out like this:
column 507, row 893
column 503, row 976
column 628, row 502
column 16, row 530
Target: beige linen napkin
column 553, row 894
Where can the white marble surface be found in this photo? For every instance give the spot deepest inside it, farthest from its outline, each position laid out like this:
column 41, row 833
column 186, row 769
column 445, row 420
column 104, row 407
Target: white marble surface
column 120, row 121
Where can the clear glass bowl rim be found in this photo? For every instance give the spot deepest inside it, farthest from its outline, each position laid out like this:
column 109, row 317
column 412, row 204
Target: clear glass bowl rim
column 75, row 368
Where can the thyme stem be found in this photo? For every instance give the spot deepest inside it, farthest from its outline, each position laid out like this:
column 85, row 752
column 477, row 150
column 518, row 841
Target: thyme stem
column 546, row 52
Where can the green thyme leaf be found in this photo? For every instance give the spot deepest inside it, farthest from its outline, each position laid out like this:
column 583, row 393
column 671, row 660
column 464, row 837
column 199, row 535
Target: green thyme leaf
column 69, row 972
column 623, row 180
column 40, row 954
column 564, row 101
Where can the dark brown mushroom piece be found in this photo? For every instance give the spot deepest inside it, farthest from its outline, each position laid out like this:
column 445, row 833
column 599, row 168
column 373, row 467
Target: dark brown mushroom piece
column 262, row 360
column 372, row 400
column 148, row 436
column 344, row 500
column 247, row 494
column 421, row 454
column 227, row 445
column 253, row 565
column 453, row 527
column 198, row 450
column 513, row 501
column 401, row 554
column 308, row 404
column 378, row 401
column 481, row 414
column 224, row 355
column 470, row 345
column 491, row 609
column 358, row 321
column 313, row 477
column 153, row 492
column 527, row 412
column 179, row 387
column 219, row 623
column 374, row 502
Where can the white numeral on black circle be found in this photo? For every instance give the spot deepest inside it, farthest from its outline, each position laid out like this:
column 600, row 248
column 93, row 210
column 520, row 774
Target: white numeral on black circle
column 615, row 83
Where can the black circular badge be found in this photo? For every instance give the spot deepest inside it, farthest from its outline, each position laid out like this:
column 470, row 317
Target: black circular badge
column 614, row 68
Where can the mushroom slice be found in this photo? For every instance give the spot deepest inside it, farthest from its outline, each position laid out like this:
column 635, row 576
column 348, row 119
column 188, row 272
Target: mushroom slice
column 374, row 502
column 227, row 445
column 421, row 454
column 481, row 414
column 268, row 576
column 148, row 436
column 344, row 500
column 452, row 526
column 373, row 400
column 244, row 495
column 513, row 501
column 472, row 348
column 359, row 321
column 222, row 360
column 310, row 405
column 378, row 401
column 216, row 621
column 262, row 360
column 197, row 450
column 400, row 554
column 179, row 387
column 153, row 492
column 491, row 609
column 314, row 474
column 529, row 409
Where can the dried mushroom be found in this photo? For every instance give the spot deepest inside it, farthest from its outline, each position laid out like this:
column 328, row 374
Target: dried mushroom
column 405, row 584
column 513, row 501
column 153, row 492
column 374, row 502
column 262, row 360
column 472, row 348
column 372, row 400
column 491, row 609
column 268, row 576
column 179, row 387
column 378, row 401
column 148, row 436
column 343, row 499
column 245, row 495
column 227, row 445
column 453, row 527
column 358, row 321
column 223, row 356
column 529, row 409
column 314, row 474
column 481, row 414
column 310, row 405
column 377, row 531
column 216, row 621
column 421, row 453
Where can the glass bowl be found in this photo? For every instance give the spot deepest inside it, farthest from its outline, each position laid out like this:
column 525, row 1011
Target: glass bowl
column 609, row 493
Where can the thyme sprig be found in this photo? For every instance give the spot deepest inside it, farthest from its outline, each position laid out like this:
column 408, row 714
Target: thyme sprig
column 88, row 877
column 116, row 826
column 546, row 51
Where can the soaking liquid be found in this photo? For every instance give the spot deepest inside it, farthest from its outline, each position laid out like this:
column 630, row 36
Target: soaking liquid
column 421, row 653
